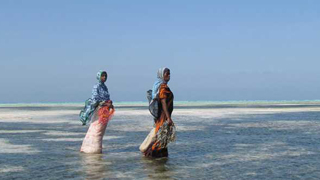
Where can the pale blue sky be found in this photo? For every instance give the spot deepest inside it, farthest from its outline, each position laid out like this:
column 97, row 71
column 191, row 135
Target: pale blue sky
column 216, row 50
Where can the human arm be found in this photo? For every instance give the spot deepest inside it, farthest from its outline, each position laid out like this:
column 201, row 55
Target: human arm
column 165, row 109
column 109, row 104
column 95, row 95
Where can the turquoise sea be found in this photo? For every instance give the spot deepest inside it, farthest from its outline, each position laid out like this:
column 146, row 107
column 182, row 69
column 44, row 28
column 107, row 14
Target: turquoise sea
column 231, row 140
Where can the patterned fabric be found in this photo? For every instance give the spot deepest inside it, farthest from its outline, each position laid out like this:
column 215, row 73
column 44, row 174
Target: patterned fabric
column 164, row 133
column 153, row 95
column 92, row 142
column 86, row 113
column 105, row 114
column 100, row 93
column 160, row 80
column 99, row 75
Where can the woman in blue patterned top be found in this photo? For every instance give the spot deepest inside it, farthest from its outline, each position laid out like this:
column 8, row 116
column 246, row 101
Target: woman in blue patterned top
column 100, row 91
column 100, row 94
column 98, row 111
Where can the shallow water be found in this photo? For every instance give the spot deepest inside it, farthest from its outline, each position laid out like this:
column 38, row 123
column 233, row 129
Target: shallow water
column 219, row 141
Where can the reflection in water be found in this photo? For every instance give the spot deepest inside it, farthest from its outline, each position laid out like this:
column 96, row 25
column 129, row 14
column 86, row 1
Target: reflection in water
column 156, row 168
column 94, row 166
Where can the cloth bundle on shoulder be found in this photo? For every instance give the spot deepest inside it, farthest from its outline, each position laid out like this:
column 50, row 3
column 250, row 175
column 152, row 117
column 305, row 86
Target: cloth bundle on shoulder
column 153, row 105
column 153, row 95
column 88, row 110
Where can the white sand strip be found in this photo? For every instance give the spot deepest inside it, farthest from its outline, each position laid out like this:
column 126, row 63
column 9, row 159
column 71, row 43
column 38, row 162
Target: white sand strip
column 7, row 148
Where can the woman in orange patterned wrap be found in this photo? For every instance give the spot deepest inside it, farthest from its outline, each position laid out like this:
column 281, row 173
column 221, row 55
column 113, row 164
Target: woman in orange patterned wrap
column 155, row 145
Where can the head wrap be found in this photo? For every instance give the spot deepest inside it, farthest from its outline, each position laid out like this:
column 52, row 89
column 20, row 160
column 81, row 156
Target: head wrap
column 99, row 74
column 159, row 81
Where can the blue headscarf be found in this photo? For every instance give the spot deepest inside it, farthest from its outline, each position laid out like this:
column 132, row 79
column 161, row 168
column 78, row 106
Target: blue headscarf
column 160, row 80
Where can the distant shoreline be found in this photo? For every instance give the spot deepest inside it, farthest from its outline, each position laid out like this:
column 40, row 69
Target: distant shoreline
column 177, row 103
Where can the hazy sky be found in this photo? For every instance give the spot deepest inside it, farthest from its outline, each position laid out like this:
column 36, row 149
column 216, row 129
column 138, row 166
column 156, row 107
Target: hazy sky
column 50, row 51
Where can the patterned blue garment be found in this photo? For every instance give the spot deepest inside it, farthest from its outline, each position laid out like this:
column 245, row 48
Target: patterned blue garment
column 100, row 93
